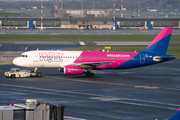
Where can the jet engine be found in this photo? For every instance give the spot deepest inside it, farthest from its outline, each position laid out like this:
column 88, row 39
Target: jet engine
column 73, row 70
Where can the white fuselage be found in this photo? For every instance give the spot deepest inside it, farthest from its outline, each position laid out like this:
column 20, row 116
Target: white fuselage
column 46, row 59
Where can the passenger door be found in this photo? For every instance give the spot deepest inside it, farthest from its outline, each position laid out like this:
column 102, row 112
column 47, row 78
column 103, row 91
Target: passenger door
column 35, row 57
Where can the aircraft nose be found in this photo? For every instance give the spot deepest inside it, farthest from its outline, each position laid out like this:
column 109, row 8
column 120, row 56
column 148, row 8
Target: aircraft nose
column 16, row 61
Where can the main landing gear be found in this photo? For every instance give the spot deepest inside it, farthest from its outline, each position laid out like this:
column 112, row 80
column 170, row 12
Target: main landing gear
column 90, row 74
column 35, row 73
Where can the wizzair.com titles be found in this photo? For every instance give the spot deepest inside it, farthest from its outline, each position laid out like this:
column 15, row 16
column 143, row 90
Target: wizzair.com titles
column 118, row 55
column 51, row 57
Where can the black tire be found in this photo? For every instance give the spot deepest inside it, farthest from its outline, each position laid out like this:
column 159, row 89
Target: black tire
column 88, row 74
column 39, row 74
column 13, row 76
column 91, row 75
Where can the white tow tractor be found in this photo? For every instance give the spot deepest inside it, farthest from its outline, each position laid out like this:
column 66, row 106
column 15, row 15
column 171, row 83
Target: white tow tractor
column 16, row 72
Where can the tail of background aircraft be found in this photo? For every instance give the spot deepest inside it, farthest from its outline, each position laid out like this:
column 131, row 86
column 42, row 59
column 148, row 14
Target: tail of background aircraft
column 176, row 116
column 161, row 42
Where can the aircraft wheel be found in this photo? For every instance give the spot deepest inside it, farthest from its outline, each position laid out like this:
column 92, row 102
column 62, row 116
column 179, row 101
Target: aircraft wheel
column 91, row 75
column 39, row 74
column 88, row 74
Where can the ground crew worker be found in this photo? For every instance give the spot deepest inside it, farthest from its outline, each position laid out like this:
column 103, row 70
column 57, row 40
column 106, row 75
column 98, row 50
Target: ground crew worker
column 19, row 73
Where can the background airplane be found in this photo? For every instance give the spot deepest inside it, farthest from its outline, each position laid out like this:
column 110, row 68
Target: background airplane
column 83, row 62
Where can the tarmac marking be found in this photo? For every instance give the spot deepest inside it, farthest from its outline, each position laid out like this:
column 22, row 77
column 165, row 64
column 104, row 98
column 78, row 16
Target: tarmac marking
column 136, row 102
column 146, row 87
column 72, row 31
column 0, row 45
column 123, row 84
column 72, row 118
column 120, row 100
column 145, row 105
column 82, row 43
column 98, row 98
column 128, row 72
column 99, row 89
column 2, row 30
column 6, row 63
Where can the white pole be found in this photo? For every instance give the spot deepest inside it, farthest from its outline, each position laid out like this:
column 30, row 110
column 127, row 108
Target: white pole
column 93, row 5
column 121, row 8
column 114, row 28
column 41, row 15
column 98, row 5
column 138, row 9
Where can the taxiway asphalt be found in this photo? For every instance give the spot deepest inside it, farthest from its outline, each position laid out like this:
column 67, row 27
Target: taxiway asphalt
column 145, row 93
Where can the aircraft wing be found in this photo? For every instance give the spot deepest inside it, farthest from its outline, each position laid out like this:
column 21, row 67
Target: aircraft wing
column 92, row 64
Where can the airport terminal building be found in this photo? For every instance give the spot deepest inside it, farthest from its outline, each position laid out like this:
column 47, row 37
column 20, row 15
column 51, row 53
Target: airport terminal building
column 87, row 19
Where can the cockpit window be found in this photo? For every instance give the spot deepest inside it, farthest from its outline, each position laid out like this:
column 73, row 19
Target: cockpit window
column 24, row 56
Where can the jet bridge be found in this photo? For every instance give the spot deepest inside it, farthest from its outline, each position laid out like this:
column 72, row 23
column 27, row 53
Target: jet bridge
column 32, row 110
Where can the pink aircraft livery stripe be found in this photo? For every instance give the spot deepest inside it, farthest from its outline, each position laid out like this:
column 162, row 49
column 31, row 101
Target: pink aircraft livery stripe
column 164, row 33
column 116, row 58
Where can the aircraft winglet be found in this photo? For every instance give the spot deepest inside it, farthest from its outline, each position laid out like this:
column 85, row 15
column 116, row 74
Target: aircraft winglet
column 12, row 104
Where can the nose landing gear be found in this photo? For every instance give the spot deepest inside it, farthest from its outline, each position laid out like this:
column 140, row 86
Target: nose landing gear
column 89, row 74
column 35, row 73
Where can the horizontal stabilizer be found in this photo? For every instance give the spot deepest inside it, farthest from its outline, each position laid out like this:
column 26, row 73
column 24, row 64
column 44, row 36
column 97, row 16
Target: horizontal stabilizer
column 158, row 58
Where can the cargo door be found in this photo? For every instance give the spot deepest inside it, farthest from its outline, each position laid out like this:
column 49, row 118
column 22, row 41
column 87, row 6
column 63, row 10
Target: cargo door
column 35, row 57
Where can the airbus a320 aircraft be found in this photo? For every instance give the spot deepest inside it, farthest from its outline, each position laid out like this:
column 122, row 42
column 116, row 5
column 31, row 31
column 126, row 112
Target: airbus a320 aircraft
column 83, row 62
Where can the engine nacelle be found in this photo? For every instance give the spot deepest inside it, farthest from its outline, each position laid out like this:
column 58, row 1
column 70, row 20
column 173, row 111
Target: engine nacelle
column 73, row 70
